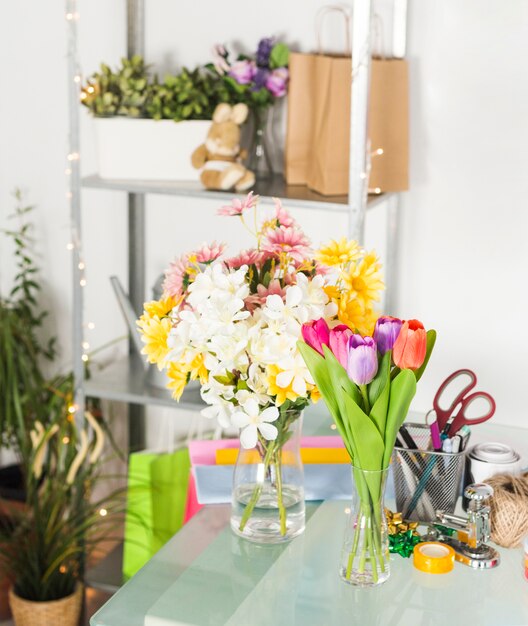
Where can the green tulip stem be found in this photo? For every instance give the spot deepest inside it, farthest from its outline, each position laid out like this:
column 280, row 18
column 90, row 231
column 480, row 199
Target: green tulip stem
column 364, row 395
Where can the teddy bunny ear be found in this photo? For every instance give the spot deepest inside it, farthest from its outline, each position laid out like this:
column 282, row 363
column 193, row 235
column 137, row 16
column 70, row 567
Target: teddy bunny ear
column 222, row 113
column 239, row 113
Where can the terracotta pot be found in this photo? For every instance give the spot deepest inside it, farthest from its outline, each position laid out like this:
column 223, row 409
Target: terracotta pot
column 63, row 612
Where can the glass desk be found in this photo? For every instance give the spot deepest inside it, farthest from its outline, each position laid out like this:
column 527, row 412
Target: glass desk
column 205, row 576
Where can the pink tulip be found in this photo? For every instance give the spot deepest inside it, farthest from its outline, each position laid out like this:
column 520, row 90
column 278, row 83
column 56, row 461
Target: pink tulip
column 338, row 343
column 316, row 334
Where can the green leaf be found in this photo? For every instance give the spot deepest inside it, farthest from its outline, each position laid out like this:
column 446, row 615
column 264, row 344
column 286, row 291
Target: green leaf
column 367, row 442
column 402, row 391
column 378, row 412
column 338, row 373
column 320, row 373
column 431, row 340
column 279, row 56
column 380, row 380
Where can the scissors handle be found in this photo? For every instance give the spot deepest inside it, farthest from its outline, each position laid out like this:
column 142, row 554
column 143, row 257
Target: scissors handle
column 443, row 414
column 460, row 418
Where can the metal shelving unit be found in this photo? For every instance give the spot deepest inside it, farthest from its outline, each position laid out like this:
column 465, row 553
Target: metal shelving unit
column 125, row 380
column 275, row 187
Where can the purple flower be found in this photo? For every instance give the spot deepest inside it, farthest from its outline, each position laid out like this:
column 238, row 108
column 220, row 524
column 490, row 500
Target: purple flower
column 243, row 71
column 362, row 359
column 261, row 78
column 277, row 82
column 263, row 51
column 386, row 332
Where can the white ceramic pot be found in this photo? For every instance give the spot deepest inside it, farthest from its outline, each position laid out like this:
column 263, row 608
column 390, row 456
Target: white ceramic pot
column 141, row 149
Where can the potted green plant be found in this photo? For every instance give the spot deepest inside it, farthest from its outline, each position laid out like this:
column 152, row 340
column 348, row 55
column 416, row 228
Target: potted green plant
column 30, row 405
column 46, row 544
column 147, row 129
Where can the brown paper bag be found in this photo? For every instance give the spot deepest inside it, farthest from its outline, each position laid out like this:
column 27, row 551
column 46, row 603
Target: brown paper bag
column 317, row 138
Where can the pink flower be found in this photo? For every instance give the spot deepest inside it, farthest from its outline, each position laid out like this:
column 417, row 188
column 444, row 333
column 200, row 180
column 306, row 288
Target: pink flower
column 316, row 334
column 243, row 71
column 209, row 252
column 176, row 277
column 237, row 206
column 219, row 59
column 259, row 299
column 277, row 82
column 282, row 216
column 338, row 340
column 287, row 241
column 245, row 257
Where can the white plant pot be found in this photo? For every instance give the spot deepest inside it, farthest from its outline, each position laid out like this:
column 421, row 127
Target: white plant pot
column 143, row 149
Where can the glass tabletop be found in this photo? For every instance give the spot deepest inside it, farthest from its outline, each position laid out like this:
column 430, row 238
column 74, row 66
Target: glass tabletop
column 206, row 576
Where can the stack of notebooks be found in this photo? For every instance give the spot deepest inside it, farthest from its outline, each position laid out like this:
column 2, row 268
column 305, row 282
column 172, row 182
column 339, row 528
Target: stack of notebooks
column 327, row 474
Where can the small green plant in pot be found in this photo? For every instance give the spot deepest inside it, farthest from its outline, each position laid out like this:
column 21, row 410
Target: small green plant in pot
column 46, row 544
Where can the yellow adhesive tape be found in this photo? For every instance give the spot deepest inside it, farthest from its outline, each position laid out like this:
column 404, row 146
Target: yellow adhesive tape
column 434, row 557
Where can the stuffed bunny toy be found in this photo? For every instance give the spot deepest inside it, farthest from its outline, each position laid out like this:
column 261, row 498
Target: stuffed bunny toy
column 220, row 156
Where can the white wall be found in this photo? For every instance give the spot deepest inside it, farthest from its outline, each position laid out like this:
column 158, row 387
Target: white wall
column 462, row 256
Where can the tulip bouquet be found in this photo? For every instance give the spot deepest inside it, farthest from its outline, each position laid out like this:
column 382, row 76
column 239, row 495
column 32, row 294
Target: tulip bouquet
column 234, row 323
column 368, row 383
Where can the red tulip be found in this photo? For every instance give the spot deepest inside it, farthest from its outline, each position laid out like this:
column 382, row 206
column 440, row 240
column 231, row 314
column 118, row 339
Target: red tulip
column 316, row 334
column 411, row 345
column 339, row 337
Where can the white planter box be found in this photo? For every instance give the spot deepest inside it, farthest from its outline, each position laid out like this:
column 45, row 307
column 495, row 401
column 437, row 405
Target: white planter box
column 148, row 149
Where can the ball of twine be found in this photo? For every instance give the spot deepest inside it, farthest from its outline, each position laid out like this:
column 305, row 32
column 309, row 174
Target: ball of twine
column 509, row 509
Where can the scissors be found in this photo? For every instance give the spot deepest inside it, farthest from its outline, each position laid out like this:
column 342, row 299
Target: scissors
column 450, row 425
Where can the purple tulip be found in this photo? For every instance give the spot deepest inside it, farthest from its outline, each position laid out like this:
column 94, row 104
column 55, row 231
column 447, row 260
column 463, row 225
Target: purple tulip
column 339, row 337
column 243, row 71
column 386, row 332
column 362, row 359
column 316, row 334
column 277, row 82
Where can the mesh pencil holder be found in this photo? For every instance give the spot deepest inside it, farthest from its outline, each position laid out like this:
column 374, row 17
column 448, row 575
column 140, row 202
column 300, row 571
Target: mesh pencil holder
column 425, row 481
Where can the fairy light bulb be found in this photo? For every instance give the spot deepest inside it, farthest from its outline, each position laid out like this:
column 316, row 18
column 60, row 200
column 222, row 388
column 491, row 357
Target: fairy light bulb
column 85, row 358
column 70, row 246
column 82, row 265
column 82, row 282
column 103, row 512
column 91, row 325
column 72, row 409
column 85, row 345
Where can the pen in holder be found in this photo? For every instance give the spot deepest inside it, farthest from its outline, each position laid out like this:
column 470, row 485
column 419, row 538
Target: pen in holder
column 425, row 480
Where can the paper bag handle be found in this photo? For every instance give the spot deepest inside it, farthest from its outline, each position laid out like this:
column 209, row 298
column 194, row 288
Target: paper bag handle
column 344, row 10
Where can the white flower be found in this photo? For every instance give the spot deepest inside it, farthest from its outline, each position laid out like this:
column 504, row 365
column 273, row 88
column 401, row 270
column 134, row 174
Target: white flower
column 289, row 313
column 295, row 373
column 219, row 408
column 267, row 346
column 316, row 302
column 252, row 422
column 230, row 350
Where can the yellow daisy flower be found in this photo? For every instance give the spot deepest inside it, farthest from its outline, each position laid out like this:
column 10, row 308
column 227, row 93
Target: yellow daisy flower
column 179, row 376
column 281, row 393
column 315, row 394
column 364, row 281
column 353, row 312
column 154, row 334
column 339, row 252
column 198, row 369
column 160, row 307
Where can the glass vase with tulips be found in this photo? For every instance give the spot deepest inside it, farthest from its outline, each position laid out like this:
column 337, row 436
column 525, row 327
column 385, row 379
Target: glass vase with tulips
column 368, row 383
